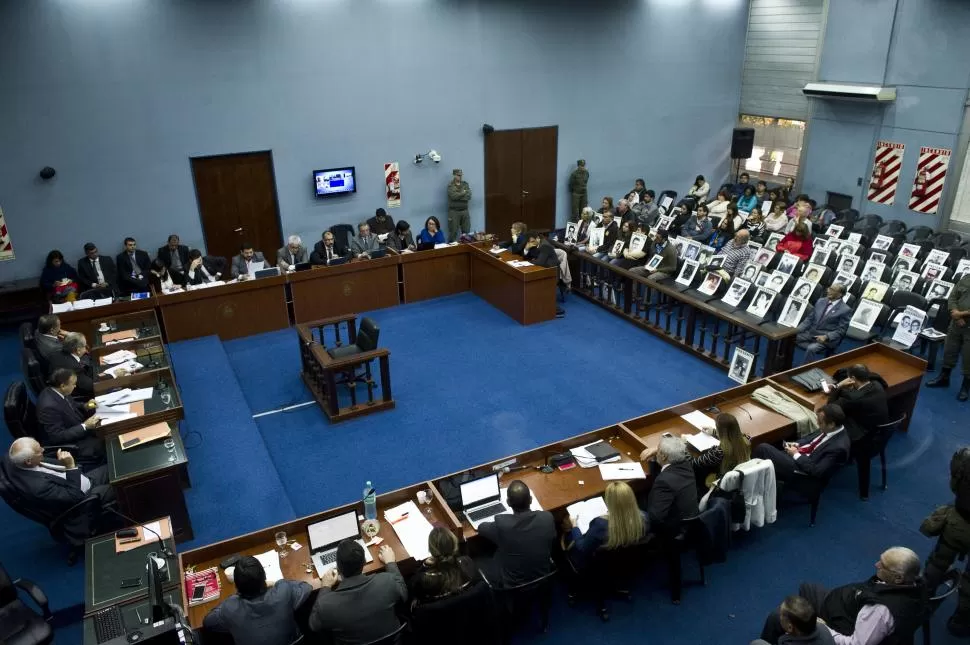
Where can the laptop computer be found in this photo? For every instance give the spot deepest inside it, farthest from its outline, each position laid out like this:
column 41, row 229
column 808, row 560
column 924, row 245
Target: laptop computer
column 481, row 500
column 334, row 262
column 325, row 536
column 302, row 266
column 266, row 273
column 379, row 253
column 425, row 246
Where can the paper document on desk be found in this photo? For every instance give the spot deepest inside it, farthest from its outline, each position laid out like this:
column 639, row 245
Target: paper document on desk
column 585, row 512
column 518, row 264
column 443, row 245
column 271, row 565
column 118, row 408
column 139, row 394
column 111, row 398
column 83, row 304
column 108, row 419
column 101, row 302
column 622, row 471
column 61, row 307
column 128, row 367
column 586, row 459
column 254, row 267
column 699, row 420
column 701, row 441
column 496, row 250
column 412, row 529
column 120, row 356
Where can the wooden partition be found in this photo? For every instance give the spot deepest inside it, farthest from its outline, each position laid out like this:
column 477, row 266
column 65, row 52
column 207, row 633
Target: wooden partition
column 363, row 285
column 71, row 319
column 526, row 294
column 434, row 274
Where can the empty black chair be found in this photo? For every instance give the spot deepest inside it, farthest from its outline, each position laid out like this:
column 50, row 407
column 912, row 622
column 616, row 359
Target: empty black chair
column 441, row 620
column 949, row 586
column 610, row 573
column 33, row 374
column 672, row 194
column 20, row 623
column 872, row 220
column 944, row 239
column 900, row 299
column 847, row 218
column 517, row 604
column 919, row 234
column 894, row 227
column 367, row 336
column 880, row 439
column 343, row 232
column 691, row 539
column 27, row 335
column 19, row 412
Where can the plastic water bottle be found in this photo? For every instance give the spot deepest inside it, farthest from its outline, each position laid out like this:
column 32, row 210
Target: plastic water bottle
column 370, row 502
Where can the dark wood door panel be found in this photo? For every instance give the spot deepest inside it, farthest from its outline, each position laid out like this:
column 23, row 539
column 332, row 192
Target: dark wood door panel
column 503, row 181
column 539, row 168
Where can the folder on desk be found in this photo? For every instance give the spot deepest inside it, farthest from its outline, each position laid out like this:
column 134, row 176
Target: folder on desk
column 126, row 334
column 144, row 435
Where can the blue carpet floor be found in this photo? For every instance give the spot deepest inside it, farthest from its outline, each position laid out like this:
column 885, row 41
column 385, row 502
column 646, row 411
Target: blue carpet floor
column 473, row 385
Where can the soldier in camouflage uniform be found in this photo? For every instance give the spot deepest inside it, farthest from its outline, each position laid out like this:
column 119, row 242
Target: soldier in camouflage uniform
column 957, row 339
column 459, row 194
column 577, row 188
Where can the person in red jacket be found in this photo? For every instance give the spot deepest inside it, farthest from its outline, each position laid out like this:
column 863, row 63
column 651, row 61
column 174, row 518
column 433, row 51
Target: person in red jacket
column 799, row 242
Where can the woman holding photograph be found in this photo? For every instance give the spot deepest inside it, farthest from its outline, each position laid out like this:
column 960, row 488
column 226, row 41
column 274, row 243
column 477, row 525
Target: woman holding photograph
column 732, row 450
column 619, row 260
column 798, row 242
column 585, row 223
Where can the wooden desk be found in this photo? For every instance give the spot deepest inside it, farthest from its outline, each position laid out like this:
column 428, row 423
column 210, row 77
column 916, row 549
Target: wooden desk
column 150, row 354
column 144, row 323
column 165, row 404
column 71, row 319
column 362, row 285
column 527, row 295
column 294, row 565
column 902, row 371
column 435, row 273
column 230, row 311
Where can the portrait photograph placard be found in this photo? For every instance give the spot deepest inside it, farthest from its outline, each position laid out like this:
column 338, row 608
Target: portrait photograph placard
column 687, row 272
column 735, row 294
column 848, row 248
column 865, row 315
column 803, row 289
column 873, row 271
column 638, row 242
column 716, row 262
column 665, row 222
column 936, row 256
column 777, row 281
column 932, row 271
column 905, row 280
column 741, row 363
column 908, row 326
column 572, row 230
column 855, row 237
column 763, row 256
column 939, row 290
column 814, row 272
column 832, row 245
column 820, row 256
column 788, row 263
column 761, row 302
column 847, row 264
column 773, row 240
column 845, row 279
column 750, row 271
column 882, row 242
column 710, row 284
column 793, row 311
column 692, row 250
column 875, row 290
column 909, row 250
column 617, row 249
column 878, row 257
column 596, row 235
column 903, row 262
column 654, row 262
column 835, row 230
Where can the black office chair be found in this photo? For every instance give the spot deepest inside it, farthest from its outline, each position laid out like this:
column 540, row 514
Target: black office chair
column 441, row 620
column 391, row 639
column 944, row 239
column 811, row 488
column 689, row 539
column 609, row 573
column 894, row 227
column 872, row 221
column 27, row 336
column 368, row 333
column 20, row 623
column 19, row 412
column 517, row 604
column 919, row 234
column 949, row 586
column 32, row 372
column 880, row 439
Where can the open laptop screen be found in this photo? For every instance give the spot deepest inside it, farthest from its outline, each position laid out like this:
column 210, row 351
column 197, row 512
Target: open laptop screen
column 331, row 531
column 479, row 490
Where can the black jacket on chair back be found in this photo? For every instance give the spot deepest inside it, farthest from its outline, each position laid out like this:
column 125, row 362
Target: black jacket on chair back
column 906, row 603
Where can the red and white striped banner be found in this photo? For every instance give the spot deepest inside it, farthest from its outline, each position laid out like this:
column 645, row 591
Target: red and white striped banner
column 392, row 184
column 6, row 246
column 930, row 176
column 886, row 165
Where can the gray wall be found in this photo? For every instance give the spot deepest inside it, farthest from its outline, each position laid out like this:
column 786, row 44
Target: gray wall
column 118, row 95
column 922, row 47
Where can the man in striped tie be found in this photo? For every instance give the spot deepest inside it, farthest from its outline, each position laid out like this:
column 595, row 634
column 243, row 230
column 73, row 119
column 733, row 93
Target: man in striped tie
column 817, row 455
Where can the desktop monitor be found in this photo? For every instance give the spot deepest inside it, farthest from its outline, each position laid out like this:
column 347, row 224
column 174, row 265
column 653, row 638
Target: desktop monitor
column 335, row 181
column 159, row 609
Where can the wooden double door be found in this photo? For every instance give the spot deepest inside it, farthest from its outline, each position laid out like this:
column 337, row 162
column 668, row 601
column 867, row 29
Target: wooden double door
column 238, row 203
column 520, row 179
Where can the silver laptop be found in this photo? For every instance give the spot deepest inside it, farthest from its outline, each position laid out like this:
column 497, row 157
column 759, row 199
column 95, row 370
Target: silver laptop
column 481, row 500
column 325, row 536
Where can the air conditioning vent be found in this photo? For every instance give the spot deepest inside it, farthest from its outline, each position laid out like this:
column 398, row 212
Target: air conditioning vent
column 844, row 92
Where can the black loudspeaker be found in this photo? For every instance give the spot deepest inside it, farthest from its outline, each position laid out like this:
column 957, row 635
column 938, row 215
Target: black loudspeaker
column 47, row 173
column 742, row 143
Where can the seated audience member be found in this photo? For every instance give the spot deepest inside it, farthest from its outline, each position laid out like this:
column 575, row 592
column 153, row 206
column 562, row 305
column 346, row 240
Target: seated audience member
column 824, row 327
column 626, row 232
column 786, row 192
column 431, row 233
column 743, row 182
column 49, row 338
column 623, row 525
column 756, row 226
column 862, row 397
column 761, row 192
column 400, row 239
column 747, row 200
column 518, row 240
column 133, row 265
column 802, row 216
column 623, row 212
column 365, row 243
column 630, row 258
column 161, row 278
column 445, row 573
column 610, row 233
column 97, row 272
column 736, row 254
column 175, row 257
column 718, row 207
column 723, row 234
column 586, row 222
column 699, row 190
column 817, row 455
column 798, row 242
column 886, row 609
column 381, row 223
column 52, row 487
column 673, row 496
column 326, row 250
column 61, row 420
column 353, row 609
column 523, row 541
column 72, row 357
column 59, row 280
column 293, row 253
column 201, row 270
column 735, row 215
column 801, row 203
column 606, row 206
column 248, row 261
column 540, row 251
column 639, row 188
column 257, row 614
column 682, row 213
column 822, row 217
column 645, row 211
column 799, row 625
column 776, row 221
column 699, row 226
column 732, row 450
column 660, row 246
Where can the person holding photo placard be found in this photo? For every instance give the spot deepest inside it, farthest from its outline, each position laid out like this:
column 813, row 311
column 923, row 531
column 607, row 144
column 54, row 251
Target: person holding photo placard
column 666, row 266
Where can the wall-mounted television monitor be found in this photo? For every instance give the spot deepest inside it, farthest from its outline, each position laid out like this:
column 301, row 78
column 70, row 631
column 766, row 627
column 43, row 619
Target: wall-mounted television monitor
column 334, row 181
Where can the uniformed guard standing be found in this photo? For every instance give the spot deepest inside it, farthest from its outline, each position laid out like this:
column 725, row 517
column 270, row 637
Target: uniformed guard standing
column 459, row 194
column 577, row 188
column 957, row 339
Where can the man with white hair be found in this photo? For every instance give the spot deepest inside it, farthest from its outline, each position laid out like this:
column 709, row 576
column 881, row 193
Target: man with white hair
column 673, row 497
column 73, row 357
column 292, row 254
column 887, row 608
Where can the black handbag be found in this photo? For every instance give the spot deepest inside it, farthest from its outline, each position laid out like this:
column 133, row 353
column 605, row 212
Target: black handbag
column 734, row 497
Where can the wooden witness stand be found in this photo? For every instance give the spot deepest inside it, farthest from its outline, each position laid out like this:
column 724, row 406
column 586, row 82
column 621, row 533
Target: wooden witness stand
column 320, row 371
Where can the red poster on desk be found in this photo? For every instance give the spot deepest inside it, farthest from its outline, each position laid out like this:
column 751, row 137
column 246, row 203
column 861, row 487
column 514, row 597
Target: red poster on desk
column 202, row 586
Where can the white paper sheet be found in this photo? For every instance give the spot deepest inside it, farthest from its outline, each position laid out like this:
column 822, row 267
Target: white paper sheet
column 120, row 356
column 140, row 394
column 254, row 267
column 624, row 470
column 496, row 250
column 61, row 307
column 112, row 397
column 701, row 441
column 586, row 511
column 412, row 531
column 115, row 418
column 101, row 302
column 699, row 420
column 271, row 565
column 121, row 408
column 152, row 526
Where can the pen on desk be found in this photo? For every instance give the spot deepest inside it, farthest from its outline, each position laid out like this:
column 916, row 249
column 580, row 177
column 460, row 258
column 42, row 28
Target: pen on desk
column 400, row 519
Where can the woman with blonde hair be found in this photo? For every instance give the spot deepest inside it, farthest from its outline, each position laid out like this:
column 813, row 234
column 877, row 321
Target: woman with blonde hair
column 623, row 525
column 445, row 572
column 734, row 449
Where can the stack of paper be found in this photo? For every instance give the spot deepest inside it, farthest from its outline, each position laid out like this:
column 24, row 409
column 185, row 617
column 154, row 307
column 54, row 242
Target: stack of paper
column 586, row 459
column 411, row 527
column 496, row 250
column 128, row 367
column 699, row 420
column 585, row 512
column 701, row 441
column 518, row 264
column 124, row 395
column 206, row 285
column 120, row 356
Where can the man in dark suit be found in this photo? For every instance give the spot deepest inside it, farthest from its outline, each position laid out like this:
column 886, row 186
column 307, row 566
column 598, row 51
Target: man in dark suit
column 203, row 269
column 49, row 339
column 133, row 266
column 97, row 272
column 817, row 455
column 242, row 263
column 523, row 541
column 862, row 397
column 327, row 249
column 62, row 421
column 175, row 257
column 673, row 497
column 255, row 614
column 540, row 251
column 51, row 488
column 825, row 327
column 73, row 357
column 381, row 223
column 353, row 609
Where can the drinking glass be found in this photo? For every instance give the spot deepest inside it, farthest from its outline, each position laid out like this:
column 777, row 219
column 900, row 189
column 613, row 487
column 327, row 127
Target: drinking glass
column 170, row 446
column 281, row 543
